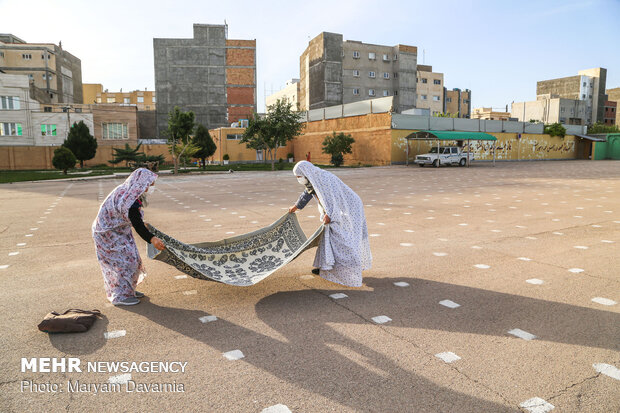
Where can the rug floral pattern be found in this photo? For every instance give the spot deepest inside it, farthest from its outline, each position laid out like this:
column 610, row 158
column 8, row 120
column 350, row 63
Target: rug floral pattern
column 242, row 260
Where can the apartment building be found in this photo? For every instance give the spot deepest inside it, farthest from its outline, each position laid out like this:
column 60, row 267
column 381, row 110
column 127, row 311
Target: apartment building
column 211, row 75
column 48, row 67
column 142, row 99
column 588, row 86
column 553, row 109
column 335, row 72
column 457, row 102
column 614, row 96
column 289, row 94
column 430, row 90
column 489, row 114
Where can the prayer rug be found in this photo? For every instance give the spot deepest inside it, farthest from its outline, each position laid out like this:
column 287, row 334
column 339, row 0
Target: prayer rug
column 242, row 260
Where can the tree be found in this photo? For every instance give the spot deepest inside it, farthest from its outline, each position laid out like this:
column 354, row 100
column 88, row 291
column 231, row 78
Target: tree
column 63, row 159
column 337, row 145
column 81, row 142
column 127, row 154
column 180, row 127
column 280, row 125
column 184, row 154
column 204, row 142
column 555, row 129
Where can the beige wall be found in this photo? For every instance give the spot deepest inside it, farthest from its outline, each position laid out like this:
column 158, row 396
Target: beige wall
column 290, row 94
column 40, row 157
column 429, row 89
column 236, row 150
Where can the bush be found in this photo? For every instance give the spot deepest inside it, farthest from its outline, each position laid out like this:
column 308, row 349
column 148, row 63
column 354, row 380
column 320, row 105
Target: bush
column 602, row 128
column 290, row 155
column 63, row 159
column 280, row 164
column 555, row 129
column 226, row 157
column 337, row 145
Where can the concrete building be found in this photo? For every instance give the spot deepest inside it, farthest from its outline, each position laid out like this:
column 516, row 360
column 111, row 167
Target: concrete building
column 290, row 94
column 611, row 109
column 48, row 66
column 458, row 102
column 335, row 72
column 142, row 99
column 211, row 75
column 25, row 122
column 430, row 90
column 614, row 96
column 588, row 86
column 489, row 114
column 552, row 109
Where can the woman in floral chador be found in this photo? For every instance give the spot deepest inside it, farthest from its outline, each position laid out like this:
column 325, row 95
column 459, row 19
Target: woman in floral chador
column 344, row 250
column 116, row 248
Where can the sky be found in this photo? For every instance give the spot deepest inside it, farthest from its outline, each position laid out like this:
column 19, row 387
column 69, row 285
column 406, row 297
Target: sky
column 497, row 49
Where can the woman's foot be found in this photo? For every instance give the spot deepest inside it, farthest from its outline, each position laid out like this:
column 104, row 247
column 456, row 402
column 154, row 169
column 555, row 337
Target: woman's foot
column 128, row 301
column 138, row 294
column 316, row 271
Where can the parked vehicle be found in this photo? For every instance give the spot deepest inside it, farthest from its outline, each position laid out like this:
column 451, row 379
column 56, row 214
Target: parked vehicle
column 448, row 155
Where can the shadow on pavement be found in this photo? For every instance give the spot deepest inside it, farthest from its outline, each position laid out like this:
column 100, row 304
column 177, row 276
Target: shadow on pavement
column 81, row 343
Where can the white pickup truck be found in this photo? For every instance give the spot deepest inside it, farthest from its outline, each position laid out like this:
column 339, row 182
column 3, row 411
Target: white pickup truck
column 448, row 155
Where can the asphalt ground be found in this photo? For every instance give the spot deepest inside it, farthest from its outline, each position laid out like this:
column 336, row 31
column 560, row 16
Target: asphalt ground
column 507, row 297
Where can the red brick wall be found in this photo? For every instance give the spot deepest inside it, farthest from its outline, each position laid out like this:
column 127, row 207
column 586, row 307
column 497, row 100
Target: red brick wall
column 239, row 76
column 240, row 95
column 239, row 112
column 240, row 57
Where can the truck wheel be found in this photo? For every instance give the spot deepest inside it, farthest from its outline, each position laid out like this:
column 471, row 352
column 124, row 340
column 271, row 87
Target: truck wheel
column 462, row 162
column 435, row 162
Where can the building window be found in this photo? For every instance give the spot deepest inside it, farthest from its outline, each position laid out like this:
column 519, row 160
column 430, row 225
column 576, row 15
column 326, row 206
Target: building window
column 583, row 96
column 9, row 102
column 372, row 56
column 386, row 93
column 47, row 76
column 26, row 56
column 98, row 100
column 115, row 131
column 234, row 136
column 436, row 82
column 48, row 130
column 356, row 73
column 126, row 101
column 436, row 98
column 356, row 91
column 10, row 129
column 449, row 100
column 396, row 93
column 47, row 109
column 424, row 80
column 154, row 100
column 356, row 54
column 111, row 100
column 140, row 99
column 77, row 110
column 30, row 76
column 371, row 92
column 395, row 75
column 584, row 84
column 386, row 75
column 386, row 57
column 1, row 54
column 423, row 97
column 395, row 57
column 465, row 100
column 371, row 74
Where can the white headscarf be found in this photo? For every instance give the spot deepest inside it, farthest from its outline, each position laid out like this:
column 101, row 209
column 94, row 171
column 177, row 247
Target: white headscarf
column 344, row 250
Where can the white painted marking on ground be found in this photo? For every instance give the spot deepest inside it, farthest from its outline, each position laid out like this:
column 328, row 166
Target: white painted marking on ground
column 524, row 259
column 406, row 244
column 207, row 319
column 520, row 226
column 537, row 405
column 307, row 277
column 13, row 253
column 29, row 235
column 180, row 277
column 608, row 370
column 522, row 334
column 409, row 230
column 449, row 304
column 401, row 284
column 476, row 247
column 534, row 281
column 4, row 267
column 456, row 215
column 21, row 244
column 276, row 408
column 448, row 357
column 581, row 247
column 230, row 232
column 463, row 224
column 604, row 301
column 381, row 319
column 482, row 266
column 120, row 379
column 496, row 230
column 234, row 355
column 33, row 229
column 606, row 241
column 557, row 233
column 190, row 292
column 114, row 334
column 338, row 296
column 576, row 270
column 380, row 223
column 597, row 226
column 440, row 254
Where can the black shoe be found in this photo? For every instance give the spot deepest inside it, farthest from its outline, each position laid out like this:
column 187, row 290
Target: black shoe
column 316, row 271
column 138, row 294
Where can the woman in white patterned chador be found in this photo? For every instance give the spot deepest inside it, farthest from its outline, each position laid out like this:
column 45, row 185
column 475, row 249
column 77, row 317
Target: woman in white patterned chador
column 344, row 250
